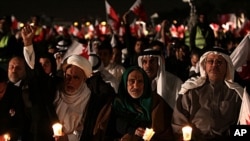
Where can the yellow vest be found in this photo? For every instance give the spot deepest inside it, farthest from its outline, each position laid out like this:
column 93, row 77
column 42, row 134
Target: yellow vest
column 200, row 41
column 4, row 41
column 187, row 38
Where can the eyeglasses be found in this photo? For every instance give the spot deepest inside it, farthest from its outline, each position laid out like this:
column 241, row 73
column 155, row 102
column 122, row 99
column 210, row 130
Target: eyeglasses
column 216, row 62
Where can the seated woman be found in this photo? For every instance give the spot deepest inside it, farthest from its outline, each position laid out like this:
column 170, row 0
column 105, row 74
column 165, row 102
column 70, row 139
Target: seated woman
column 136, row 108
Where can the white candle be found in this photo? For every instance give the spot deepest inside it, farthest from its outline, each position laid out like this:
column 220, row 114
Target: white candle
column 57, row 128
column 187, row 133
column 148, row 134
column 6, row 137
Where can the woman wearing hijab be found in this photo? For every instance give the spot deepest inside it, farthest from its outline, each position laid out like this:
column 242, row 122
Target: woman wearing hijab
column 136, row 108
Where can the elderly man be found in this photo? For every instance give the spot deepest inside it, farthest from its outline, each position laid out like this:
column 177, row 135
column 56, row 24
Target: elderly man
column 137, row 107
column 164, row 83
column 80, row 98
column 209, row 103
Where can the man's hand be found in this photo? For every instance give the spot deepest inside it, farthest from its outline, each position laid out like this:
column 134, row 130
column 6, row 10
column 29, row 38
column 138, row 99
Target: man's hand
column 139, row 132
column 27, row 33
column 125, row 16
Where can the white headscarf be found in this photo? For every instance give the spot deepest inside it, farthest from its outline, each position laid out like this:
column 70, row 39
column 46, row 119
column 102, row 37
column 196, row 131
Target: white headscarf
column 80, row 62
column 161, row 73
column 198, row 81
column 71, row 108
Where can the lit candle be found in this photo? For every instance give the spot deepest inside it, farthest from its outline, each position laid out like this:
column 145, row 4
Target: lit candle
column 148, row 134
column 57, row 128
column 187, row 133
column 6, row 137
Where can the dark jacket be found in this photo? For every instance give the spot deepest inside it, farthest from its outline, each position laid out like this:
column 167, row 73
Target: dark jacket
column 161, row 122
column 102, row 95
column 41, row 115
column 12, row 114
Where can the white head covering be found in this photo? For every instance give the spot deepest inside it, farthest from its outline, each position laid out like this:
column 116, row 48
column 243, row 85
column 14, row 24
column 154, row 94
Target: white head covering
column 161, row 73
column 80, row 62
column 167, row 84
column 195, row 82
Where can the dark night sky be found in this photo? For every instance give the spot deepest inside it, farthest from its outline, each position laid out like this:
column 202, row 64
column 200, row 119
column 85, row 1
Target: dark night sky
column 78, row 9
column 74, row 9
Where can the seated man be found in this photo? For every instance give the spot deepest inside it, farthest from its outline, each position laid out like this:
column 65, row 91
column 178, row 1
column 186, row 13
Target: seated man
column 137, row 107
column 164, row 83
column 79, row 98
column 209, row 103
column 11, row 108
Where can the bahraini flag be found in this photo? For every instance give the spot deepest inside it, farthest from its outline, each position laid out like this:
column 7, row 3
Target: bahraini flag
column 111, row 12
column 138, row 9
column 76, row 48
column 244, row 117
column 241, row 53
column 112, row 17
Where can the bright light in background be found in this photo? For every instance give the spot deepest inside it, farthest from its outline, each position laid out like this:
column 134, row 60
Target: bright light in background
column 87, row 23
column 174, row 21
column 103, row 23
column 76, row 24
column 21, row 25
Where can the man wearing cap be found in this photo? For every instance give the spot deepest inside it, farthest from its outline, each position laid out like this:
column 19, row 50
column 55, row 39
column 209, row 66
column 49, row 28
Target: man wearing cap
column 209, row 103
column 80, row 98
column 164, row 83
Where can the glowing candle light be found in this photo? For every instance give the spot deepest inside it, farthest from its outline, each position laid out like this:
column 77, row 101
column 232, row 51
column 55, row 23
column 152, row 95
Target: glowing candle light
column 148, row 134
column 57, row 128
column 6, row 137
column 187, row 133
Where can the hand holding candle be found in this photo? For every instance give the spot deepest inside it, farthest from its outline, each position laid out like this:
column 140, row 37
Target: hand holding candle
column 187, row 133
column 57, row 128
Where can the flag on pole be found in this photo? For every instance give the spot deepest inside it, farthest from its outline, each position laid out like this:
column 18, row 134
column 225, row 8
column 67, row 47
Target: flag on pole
column 244, row 117
column 15, row 22
column 75, row 48
column 111, row 12
column 240, row 54
column 112, row 17
column 138, row 9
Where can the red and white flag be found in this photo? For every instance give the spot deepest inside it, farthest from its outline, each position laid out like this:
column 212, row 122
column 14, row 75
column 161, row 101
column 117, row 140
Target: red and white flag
column 138, row 9
column 240, row 55
column 244, row 117
column 111, row 12
column 112, row 17
column 15, row 22
column 97, row 31
column 76, row 48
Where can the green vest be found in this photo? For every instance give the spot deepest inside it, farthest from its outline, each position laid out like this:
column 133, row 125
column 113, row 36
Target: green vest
column 4, row 41
column 200, row 41
column 187, row 38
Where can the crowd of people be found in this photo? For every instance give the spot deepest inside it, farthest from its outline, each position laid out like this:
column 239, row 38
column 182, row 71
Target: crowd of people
column 109, row 92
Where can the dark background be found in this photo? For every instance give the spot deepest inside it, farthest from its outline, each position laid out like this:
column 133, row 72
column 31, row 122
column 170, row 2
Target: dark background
column 70, row 10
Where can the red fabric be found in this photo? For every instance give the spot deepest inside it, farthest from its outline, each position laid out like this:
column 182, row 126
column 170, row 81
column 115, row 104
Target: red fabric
column 113, row 18
column 139, row 10
column 245, row 73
